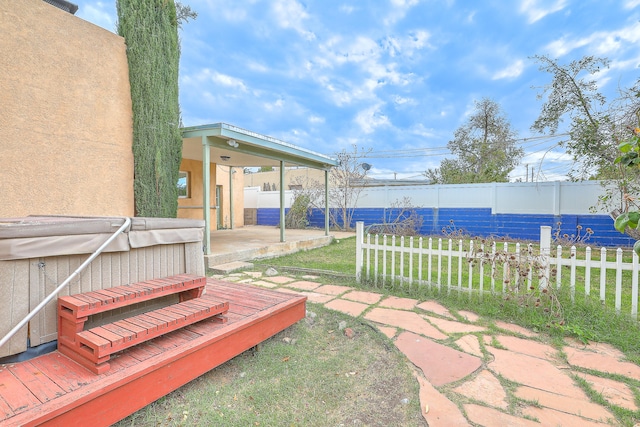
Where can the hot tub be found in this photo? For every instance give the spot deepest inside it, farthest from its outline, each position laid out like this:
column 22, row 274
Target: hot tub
column 37, row 253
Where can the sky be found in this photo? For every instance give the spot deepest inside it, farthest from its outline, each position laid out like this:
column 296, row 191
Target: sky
column 394, row 78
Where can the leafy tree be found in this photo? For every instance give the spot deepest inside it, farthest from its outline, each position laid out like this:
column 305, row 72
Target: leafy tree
column 628, row 219
column 485, row 148
column 573, row 94
column 596, row 127
column 150, row 30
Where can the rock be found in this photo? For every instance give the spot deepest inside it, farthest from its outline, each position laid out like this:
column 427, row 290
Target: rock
column 342, row 325
column 405, row 401
column 271, row 272
column 349, row 333
column 287, row 340
column 311, row 314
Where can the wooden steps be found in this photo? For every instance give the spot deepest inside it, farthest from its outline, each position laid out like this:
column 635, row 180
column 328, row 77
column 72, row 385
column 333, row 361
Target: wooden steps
column 67, row 394
column 93, row 348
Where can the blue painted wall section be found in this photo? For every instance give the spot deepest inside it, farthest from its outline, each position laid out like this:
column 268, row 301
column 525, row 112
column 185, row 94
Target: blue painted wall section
column 481, row 222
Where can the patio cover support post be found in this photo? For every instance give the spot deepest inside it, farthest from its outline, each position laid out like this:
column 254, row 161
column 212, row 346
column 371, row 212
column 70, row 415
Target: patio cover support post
column 282, row 201
column 206, row 198
column 231, row 196
column 326, row 202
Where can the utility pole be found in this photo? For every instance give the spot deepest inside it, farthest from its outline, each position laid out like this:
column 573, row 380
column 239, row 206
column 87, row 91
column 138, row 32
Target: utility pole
column 526, row 179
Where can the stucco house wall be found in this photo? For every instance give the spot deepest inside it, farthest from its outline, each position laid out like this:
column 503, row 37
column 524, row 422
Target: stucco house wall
column 66, row 119
column 191, row 207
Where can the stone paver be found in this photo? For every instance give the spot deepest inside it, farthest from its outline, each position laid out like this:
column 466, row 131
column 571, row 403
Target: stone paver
column 490, row 417
column 470, row 344
column 406, row 320
column 332, row 289
column 399, row 303
column 451, row 327
column 601, row 362
column 440, row 364
column 574, row 405
column 281, row 280
column 317, row 298
column 437, row 409
column 305, row 285
column 551, row 417
column 265, row 284
column 365, row 297
column 542, row 376
column 388, row 331
column 516, row 328
column 436, row 308
column 470, row 316
column 530, row 347
column 532, row 371
column 613, row 391
column 254, row 274
column 486, row 388
column 596, row 347
column 351, row 308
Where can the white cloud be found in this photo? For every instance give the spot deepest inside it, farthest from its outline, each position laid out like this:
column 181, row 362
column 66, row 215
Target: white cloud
column 291, row 14
column 401, row 100
column 603, row 43
column 348, row 9
column 407, row 45
column 398, row 11
column 631, row 4
column 535, row 10
column 208, row 75
column 510, row 72
column 371, row 118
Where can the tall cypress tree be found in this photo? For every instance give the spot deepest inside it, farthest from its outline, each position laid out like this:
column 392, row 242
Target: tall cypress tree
column 150, row 30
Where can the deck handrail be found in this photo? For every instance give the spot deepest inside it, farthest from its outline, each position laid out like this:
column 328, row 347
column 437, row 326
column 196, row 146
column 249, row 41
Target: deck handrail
column 62, row 285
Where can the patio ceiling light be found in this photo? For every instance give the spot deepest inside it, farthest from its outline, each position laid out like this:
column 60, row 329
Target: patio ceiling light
column 233, row 143
column 225, row 158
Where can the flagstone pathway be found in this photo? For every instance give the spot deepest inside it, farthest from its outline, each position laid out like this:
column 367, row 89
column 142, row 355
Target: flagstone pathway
column 469, row 375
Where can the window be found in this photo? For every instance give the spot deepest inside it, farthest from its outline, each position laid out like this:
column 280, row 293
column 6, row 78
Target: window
column 184, row 185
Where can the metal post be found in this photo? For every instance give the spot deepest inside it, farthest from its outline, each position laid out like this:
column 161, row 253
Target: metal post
column 206, row 194
column 231, row 197
column 282, row 201
column 326, row 202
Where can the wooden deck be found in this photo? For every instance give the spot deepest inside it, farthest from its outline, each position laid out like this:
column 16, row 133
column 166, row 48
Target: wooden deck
column 54, row 390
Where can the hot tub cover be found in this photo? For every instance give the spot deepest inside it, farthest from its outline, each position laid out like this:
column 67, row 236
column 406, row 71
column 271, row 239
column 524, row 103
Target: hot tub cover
column 44, row 236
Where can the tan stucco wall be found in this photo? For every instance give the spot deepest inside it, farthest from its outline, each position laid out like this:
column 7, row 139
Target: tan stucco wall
column 65, row 119
column 192, row 207
column 238, row 196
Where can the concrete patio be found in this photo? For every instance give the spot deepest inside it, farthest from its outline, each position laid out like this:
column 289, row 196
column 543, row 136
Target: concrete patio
column 257, row 241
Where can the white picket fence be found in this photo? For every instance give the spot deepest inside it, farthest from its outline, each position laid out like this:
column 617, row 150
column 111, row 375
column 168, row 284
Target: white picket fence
column 488, row 267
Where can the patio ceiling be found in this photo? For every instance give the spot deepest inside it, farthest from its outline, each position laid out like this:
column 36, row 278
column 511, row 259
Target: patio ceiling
column 237, row 147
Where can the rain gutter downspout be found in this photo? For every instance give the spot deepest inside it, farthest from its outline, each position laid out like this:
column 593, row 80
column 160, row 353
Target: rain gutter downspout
column 31, row 315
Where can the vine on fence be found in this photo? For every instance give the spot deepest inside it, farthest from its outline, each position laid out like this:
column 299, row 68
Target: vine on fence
column 519, row 271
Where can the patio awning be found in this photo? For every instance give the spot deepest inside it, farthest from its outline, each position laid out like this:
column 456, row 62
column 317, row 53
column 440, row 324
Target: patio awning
column 232, row 146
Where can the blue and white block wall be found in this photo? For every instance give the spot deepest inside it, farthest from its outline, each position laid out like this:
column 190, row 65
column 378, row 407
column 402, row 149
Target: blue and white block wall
column 510, row 210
